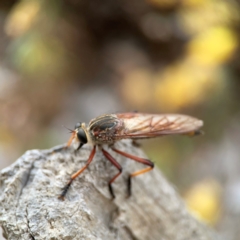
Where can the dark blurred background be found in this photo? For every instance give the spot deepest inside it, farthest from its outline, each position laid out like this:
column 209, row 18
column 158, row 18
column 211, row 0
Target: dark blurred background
column 70, row 60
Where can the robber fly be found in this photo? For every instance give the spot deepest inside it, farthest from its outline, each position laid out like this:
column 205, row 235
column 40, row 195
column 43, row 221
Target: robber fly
column 110, row 128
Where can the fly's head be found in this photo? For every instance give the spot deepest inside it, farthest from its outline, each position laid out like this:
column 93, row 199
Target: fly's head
column 79, row 135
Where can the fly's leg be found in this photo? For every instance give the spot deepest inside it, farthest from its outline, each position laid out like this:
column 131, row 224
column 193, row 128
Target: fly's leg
column 64, row 192
column 117, row 165
column 138, row 159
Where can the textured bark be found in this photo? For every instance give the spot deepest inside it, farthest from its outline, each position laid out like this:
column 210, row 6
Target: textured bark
column 30, row 208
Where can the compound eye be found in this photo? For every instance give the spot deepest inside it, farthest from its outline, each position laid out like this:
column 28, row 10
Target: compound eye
column 78, row 125
column 82, row 136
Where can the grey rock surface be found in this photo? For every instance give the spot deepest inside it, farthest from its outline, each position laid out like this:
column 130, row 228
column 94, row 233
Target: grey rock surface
column 30, row 208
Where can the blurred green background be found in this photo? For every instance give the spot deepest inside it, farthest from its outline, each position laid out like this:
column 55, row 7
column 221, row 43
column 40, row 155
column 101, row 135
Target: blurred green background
column 67, row 61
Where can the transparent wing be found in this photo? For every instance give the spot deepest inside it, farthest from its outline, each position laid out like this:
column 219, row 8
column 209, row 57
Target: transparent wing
column 141, row 125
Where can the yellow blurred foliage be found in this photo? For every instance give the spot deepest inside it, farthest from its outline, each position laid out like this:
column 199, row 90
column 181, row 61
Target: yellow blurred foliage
column 22, row 17
column 178, row 86
column 198, row 15
column 212, row 47
column 39, row 54
column 184, row 85
column 193, row 2
column 196, row 77
column 203, row 200
column 191, row 80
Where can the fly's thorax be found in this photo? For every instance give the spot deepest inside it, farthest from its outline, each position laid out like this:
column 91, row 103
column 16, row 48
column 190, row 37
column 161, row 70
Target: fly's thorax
column 105, row 129
column 93, row 139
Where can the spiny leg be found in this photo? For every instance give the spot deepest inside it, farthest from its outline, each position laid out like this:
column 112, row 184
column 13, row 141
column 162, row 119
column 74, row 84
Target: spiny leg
column 138, row 159
column 64, row 192
column 117, row 165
